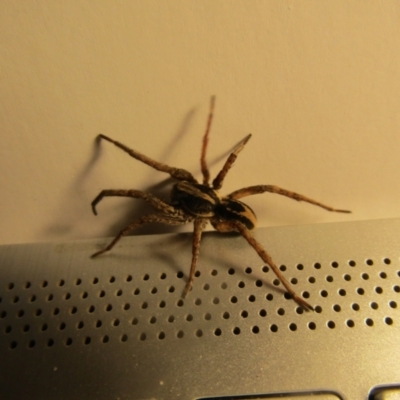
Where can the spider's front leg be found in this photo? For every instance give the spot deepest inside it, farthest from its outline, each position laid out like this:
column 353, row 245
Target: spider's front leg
column 199, row 225
column 249, row 191
column 219, row 179
column 267, row 259
column 203, row 163
column 236, row 226
column 217, row 182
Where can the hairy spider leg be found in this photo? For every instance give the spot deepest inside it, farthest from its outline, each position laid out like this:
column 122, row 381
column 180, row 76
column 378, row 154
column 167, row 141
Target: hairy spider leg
column 199, row 225
column 250, row 190
column 217, row 182
column 177, row 173
column 160, row 218
column 136, row 194
column 168, row 214
column 267, row 259
column 203, row 162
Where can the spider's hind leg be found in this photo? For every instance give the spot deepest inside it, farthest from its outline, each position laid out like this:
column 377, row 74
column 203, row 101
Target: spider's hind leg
column 136, row 194
column 168, row 214
column 177, row 173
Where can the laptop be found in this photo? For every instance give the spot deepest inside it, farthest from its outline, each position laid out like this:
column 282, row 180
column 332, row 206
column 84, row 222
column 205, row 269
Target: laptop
column 117, row 327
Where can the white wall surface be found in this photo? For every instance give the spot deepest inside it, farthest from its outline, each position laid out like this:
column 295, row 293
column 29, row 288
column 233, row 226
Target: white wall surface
column 316, row 82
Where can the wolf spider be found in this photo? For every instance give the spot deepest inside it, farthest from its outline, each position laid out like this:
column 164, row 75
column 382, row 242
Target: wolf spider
column 201, row 203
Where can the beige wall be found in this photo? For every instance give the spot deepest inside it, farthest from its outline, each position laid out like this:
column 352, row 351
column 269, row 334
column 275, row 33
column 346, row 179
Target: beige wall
column 316, row 82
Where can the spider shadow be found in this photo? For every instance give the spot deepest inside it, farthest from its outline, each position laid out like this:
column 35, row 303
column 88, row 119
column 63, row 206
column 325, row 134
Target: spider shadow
column 67, row 223
column 129, row 213
column 162, row 190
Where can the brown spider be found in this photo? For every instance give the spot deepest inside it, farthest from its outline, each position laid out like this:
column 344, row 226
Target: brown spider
column 200, row 203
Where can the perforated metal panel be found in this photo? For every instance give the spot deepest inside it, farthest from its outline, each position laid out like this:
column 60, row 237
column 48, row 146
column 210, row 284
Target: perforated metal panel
column 117, row 327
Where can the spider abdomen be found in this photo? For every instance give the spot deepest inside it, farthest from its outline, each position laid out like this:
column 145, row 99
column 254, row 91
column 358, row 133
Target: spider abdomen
column 195, row 199
column 229, row 211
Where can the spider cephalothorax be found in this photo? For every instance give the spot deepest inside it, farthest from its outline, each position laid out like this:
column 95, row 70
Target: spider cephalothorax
column 203, row 201
column 200, row 203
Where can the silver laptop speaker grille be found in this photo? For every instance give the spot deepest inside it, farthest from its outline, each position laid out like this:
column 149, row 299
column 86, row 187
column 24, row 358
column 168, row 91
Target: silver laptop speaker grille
column 117, row 327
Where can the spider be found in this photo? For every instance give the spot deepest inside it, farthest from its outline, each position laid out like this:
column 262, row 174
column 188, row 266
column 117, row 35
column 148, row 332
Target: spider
column 200, row 203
